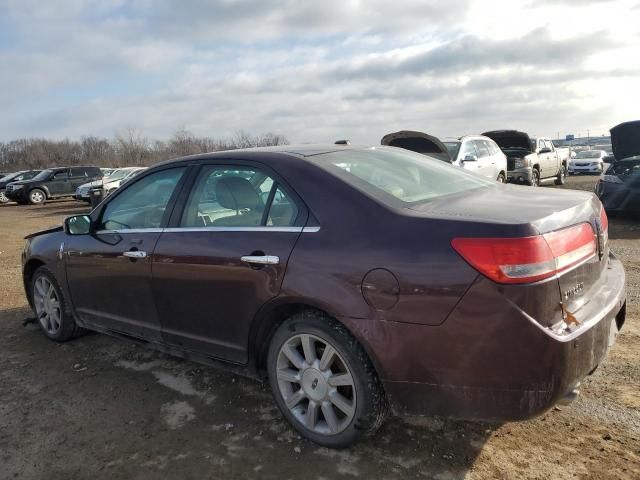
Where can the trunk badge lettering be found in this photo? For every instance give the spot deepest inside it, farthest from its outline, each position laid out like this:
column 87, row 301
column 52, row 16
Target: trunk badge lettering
column 574, row 291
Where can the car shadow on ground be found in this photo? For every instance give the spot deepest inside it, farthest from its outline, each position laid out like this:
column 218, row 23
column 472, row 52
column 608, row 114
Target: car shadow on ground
column 135, row 412
column 621, row 228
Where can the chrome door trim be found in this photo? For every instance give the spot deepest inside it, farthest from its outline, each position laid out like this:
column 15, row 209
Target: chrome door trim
column 211, row 229
column 130, row 230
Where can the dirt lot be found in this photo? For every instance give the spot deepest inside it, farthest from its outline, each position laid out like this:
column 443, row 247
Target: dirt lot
column 99, row 407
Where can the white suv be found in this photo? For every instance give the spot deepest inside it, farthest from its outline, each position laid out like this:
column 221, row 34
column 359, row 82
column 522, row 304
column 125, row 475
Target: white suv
column 475, row 153
column 478, row 154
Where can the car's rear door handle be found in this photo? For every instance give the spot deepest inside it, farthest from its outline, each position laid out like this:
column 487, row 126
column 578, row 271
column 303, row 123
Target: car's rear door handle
column 261, row 259
column 135, row 254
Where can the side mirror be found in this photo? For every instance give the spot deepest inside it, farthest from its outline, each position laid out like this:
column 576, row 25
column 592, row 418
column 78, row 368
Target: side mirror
column 77, row 225
column 545, row 150
column 470, row 158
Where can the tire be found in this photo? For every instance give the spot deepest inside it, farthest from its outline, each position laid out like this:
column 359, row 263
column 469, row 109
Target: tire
column 37, row 197
column 501, row 178
column 535, row 178
column 51, row 307
column 561, row 179
column 3, row 197
column 343, row 384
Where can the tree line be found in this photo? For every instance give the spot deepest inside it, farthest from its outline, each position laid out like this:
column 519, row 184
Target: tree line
column 127, row 148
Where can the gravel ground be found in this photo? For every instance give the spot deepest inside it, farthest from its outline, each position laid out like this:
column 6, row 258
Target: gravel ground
column 99, row 407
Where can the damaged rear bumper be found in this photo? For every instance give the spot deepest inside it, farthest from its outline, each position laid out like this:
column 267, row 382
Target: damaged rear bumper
column 491, row 361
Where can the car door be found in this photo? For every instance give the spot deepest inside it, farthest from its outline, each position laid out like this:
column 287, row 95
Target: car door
column 484, row 158
column 109, row 271
column 544, row 158
column 59, row 182
column 224, row 257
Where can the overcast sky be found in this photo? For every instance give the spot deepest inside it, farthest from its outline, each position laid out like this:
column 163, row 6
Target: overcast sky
column 317, row 71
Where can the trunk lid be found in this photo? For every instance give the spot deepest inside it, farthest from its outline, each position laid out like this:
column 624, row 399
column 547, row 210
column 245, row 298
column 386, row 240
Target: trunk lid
column 417, row 142
column 482, row 213
column 625, row 139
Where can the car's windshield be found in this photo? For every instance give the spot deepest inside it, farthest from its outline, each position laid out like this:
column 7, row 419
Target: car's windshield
column 43, row 175
column 453, row 148
column 399, row 177
column 116, row 175
column 589, row 154
column 12, row 176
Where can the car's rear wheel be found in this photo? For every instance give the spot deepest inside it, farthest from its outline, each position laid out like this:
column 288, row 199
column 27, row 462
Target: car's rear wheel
column 501, row 178
column 562, row 176
column 51, row 308
column 323, row 381
column 37, row 196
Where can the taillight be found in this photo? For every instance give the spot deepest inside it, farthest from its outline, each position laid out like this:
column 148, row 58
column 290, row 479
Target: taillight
column 528, row 259
column 604, row 221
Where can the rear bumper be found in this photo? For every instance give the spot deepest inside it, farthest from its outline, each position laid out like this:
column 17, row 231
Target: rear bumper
column 490, row 360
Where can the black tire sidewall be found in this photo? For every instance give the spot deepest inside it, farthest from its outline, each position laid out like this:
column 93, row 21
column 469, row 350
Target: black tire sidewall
column 351, row 353
column 535, row 178
column 562, row 176
column 68, row 328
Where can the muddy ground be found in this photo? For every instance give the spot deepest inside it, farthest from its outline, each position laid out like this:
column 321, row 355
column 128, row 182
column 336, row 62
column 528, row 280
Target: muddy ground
column 99, row 407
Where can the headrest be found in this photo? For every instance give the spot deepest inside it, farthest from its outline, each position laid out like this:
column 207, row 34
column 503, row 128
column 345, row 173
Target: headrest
column 236, row 193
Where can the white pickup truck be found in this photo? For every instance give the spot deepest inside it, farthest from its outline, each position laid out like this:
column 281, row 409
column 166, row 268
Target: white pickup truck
column 531, row 160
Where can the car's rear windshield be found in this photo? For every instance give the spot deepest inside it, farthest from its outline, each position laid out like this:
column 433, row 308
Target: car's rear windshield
column 588, row 154
column 399, row 177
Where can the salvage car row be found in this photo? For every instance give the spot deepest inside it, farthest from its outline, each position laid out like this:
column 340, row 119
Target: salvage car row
column 37, row 186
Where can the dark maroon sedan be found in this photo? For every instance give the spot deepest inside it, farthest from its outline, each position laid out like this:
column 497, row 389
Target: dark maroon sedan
column 358, row 281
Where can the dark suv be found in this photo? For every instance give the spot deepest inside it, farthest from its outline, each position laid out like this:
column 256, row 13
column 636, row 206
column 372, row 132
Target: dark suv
column 51, row 183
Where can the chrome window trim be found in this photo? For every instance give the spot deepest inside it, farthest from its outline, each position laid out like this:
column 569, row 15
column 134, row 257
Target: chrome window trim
column 131, row 230
column 212, row 229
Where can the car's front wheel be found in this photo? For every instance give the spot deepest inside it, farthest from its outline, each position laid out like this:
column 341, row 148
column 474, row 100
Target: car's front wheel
column 501, row 178
column 535, row 178
column 562, row 176
column 3, row 197
column 323, row 381
column 37, row 196
column 51, row 308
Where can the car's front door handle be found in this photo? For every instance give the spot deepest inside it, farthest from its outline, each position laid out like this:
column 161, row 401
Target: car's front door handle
column 135, row 254
column 261, row 259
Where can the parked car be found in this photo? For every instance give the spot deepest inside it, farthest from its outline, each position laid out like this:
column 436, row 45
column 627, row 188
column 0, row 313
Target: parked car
column 14, row 177
column 108, row 183
column 588, row 161
column 475, row 153
column 106, row 171
column 56, row 182
column 353, row 280
column 619, row 187
column 530, row 160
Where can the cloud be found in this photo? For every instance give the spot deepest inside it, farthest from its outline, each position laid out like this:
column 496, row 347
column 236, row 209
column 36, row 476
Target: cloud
column 313, row 71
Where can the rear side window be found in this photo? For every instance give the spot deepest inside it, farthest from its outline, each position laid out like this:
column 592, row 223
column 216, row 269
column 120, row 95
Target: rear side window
column 78, row 172
column 399, row 178
column 142, row 204
column 61, row 174
column 238, row 197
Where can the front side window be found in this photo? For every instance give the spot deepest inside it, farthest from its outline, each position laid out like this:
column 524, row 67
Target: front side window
column 399, row 178
column 237, row 197
column 61, row 175
column 142, row 205
column 468, row 149
column 78, row 172
column 483, row 150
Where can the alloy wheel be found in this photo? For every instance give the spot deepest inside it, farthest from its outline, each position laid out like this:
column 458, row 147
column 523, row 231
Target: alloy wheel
column 47, row 305
column 36, row 196
column 316, row 384
column 3, row 197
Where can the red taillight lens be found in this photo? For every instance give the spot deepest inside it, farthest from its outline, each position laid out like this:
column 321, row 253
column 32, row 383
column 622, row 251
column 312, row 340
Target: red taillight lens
column 528, row 259
column 604, row 220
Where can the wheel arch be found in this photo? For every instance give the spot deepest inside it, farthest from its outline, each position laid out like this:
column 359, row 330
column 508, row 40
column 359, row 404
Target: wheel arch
column 42, row 188
column 27, row 275
column 272, row 315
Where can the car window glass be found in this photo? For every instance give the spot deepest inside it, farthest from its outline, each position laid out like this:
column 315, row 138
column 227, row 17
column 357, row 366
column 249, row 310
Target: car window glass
column 483, row 151
column 468, row 149
column 493, row 147
column 142, row 204
column 61, row 175
column 238, row 197
column 283, row 210
column 78, row 172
